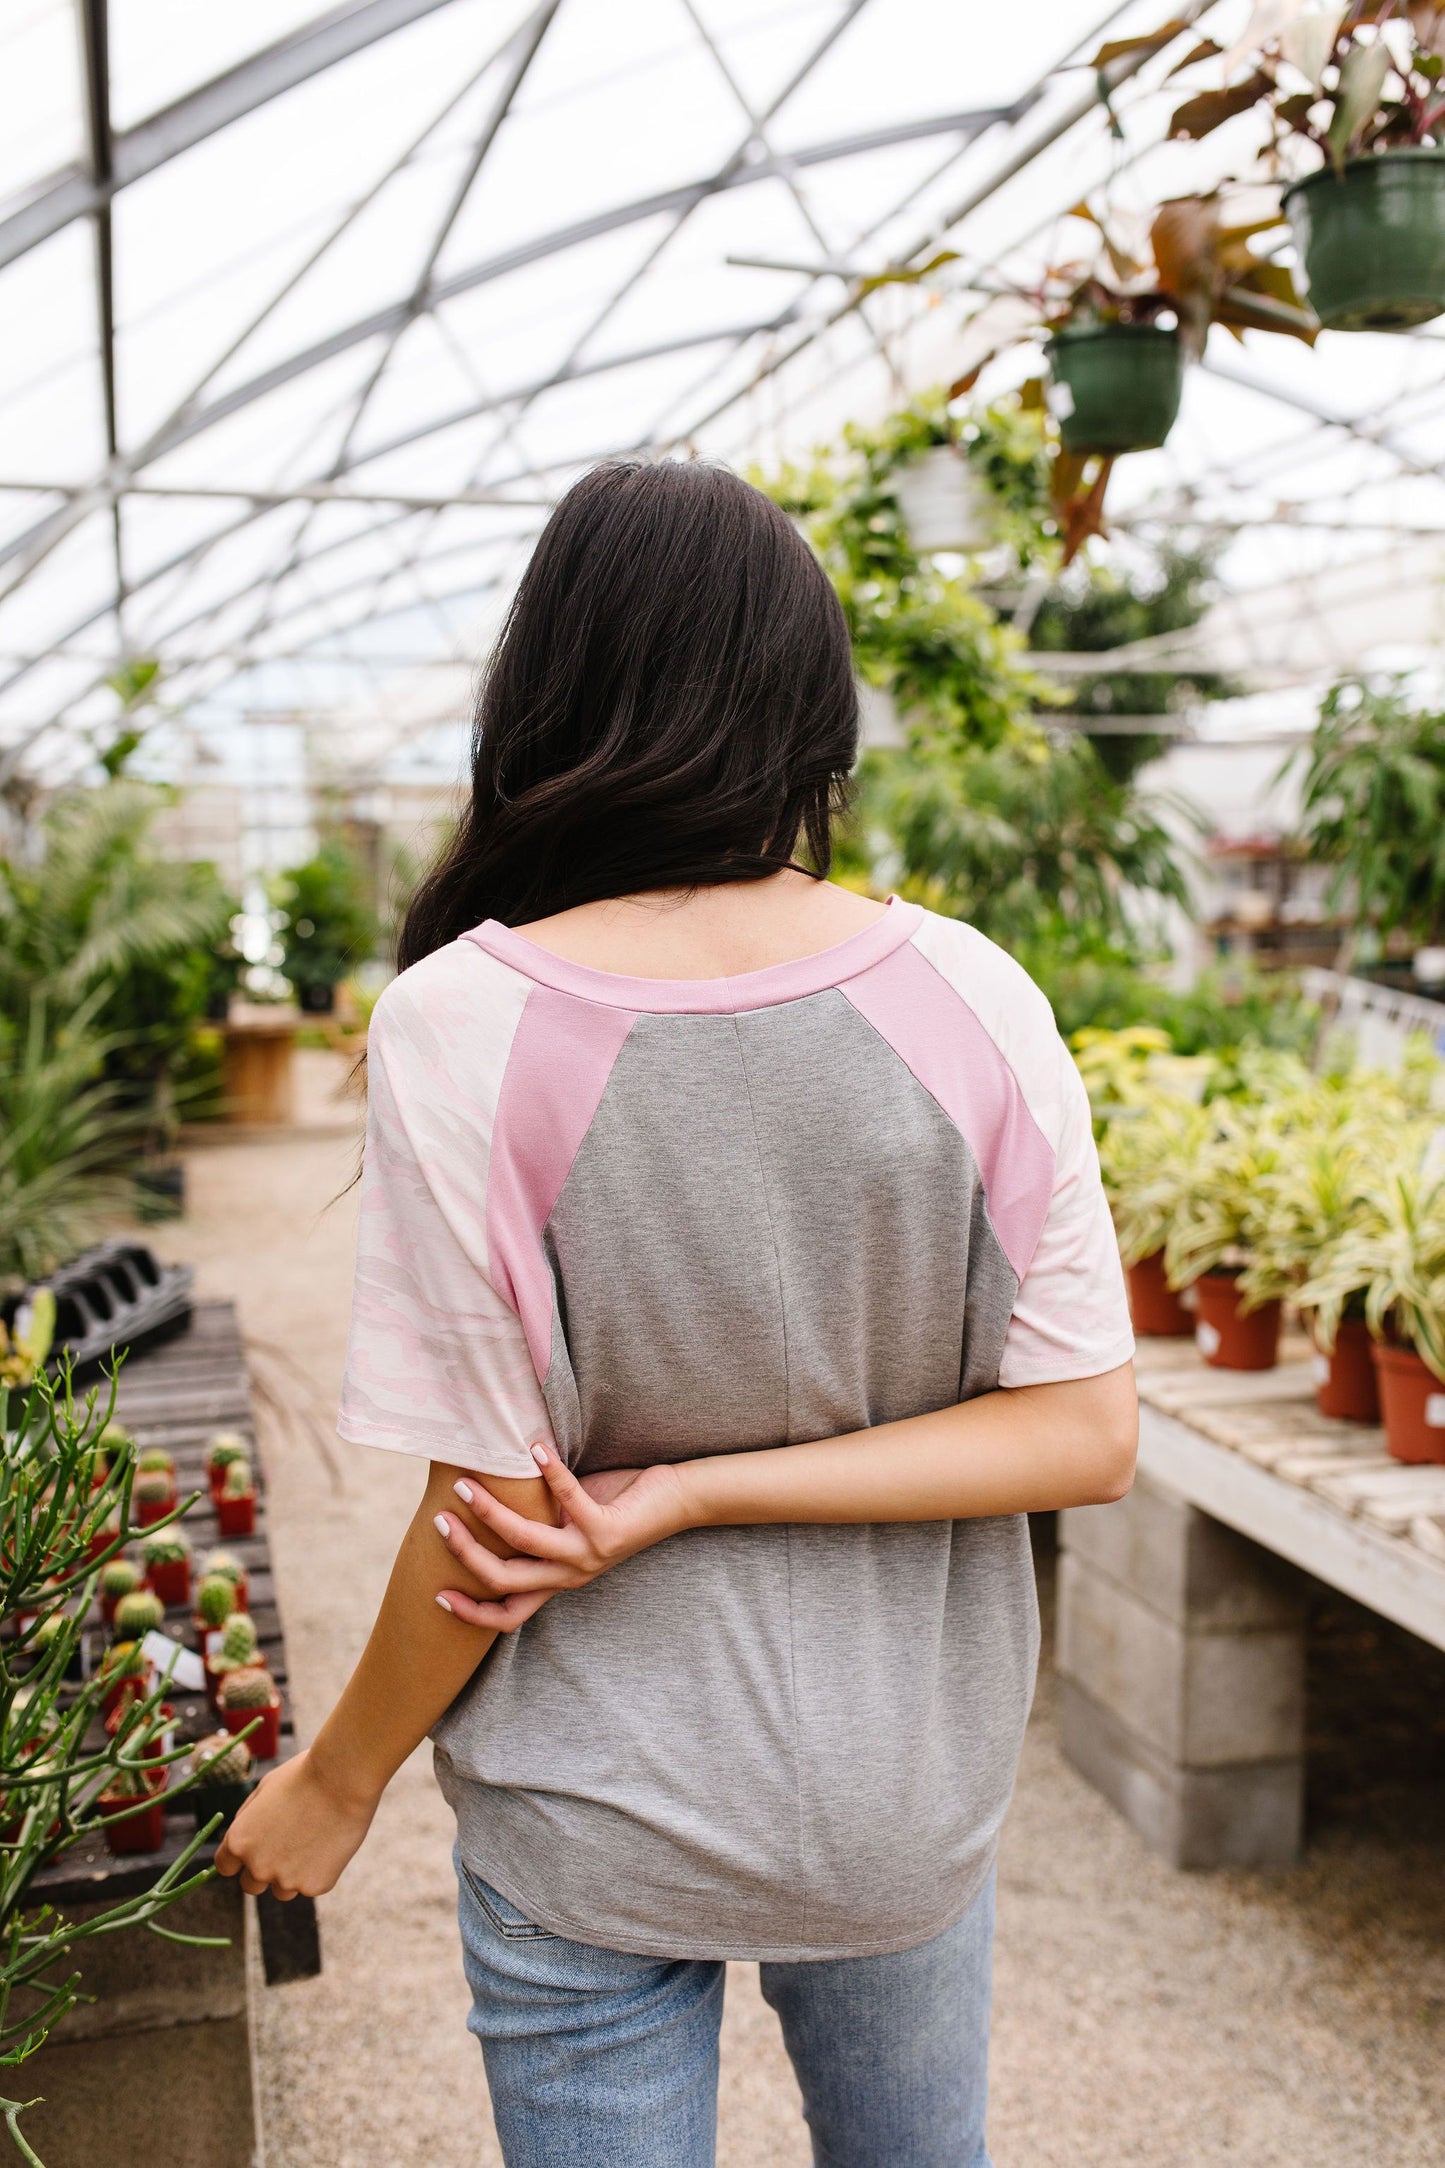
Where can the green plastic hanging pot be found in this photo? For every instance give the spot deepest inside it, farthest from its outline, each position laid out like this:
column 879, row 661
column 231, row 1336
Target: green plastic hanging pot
column 1372, row 240
column 1121, row 385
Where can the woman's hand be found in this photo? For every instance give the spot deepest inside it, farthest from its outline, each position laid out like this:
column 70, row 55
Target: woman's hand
column 605, row 1518
column 296, row 1832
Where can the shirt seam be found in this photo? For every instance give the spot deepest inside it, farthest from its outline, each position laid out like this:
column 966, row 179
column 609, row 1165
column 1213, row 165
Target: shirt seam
column 788, row 1425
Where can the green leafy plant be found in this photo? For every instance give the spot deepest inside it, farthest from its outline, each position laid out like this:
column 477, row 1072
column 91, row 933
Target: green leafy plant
column 1326, row 1188
column 56, row 1759
column 328, row 925
column 1148, row 1163
column 1373, row 806
column 1392, row 1259
column 66, row 1136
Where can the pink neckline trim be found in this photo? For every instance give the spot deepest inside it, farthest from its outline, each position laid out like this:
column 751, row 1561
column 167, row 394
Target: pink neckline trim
column 706, row 997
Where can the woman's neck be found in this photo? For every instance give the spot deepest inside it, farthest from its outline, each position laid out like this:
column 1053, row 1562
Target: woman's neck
column 707, row 933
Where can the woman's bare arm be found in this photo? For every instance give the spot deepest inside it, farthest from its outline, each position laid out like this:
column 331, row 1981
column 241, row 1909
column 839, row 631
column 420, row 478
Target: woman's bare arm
column 304, row 1822
column 1031, row 1449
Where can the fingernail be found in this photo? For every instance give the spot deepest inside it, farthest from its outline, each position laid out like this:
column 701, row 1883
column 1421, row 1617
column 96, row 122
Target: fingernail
column 464, row 1492
column 539, row 1454
column 444, row 1604
column 442, row 1525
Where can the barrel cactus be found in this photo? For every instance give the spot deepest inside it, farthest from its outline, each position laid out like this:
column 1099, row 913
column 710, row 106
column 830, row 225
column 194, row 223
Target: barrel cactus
column 155, row 1459
column 138, row 1614
column 249, row 1688
column 152, row 1487
column 118, row 1579
column 123, row 1660
column 215, row 1600
column 237, row 1482
column 238, row 1644
column 220, row 1759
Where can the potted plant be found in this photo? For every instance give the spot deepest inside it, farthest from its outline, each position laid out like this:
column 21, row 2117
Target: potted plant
column 1146, row 1156
column 138, row 1614
column 117, row 1579
column 152, row 1496
column 327, row 924
column 236, row 1505
column 133, row 1810
column 219, row 1769
column 1359, row 85
column 246, row 1695
column 1398, row 1258
column 230, row 1568
column 167, row 1559
column 231, row 1649
column 126, row 1673
column 215, row 1603
column 225, row 1447
column 151, row 1735
column 1215, row 1234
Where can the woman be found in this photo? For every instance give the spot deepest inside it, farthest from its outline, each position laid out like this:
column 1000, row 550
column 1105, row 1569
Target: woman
column 732, row 1246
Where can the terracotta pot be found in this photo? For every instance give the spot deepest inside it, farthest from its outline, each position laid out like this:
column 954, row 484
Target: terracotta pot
column 1156, row 1308
column 135, row 1825
column 1225, row 1338
column 1345, row 1378
column 1412, row 1402
column 265, row 1740
column 237, row 1516
column 170, row 1579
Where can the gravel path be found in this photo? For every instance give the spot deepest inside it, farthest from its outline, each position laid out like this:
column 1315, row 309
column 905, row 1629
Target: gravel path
column 1140, row 2015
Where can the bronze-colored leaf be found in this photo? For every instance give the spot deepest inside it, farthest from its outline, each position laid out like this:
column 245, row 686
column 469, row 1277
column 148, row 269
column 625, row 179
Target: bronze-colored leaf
column 1153, row 41
column 1083, row 514
column 1295, row 111
column 1199, row 117
column 1185, row 237
column 1206, row 49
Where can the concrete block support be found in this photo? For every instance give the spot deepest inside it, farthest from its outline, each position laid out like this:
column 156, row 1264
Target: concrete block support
column 156, row 2072
column 1181, row 1661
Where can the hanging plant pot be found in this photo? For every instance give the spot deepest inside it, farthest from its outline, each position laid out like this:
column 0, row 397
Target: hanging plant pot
column 944, row 504
column 1225, row 1336
column 1412, row 1401
column 1372, row 240
column 1157, row 1309
column 1116, row 386
column 1345, row 1377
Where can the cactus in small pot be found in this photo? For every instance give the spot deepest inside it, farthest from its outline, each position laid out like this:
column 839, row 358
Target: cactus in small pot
column 155, row 1460
column 225, row 1447
column 119, row 1578
column 167, row 1560
column 125, row 1672
column 133, row 1805
column 230, row 1568
column 152, row 1495
column 249, row 1696
column 138, row 1614
column 236, row 1503
column 219, row 1769
column 238, row 1644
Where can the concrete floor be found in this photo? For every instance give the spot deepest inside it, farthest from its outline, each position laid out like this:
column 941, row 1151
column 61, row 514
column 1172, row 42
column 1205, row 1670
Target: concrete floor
column 1140, row 2016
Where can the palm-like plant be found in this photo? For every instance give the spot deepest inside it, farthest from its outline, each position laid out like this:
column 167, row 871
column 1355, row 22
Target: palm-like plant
column 63, row 1136
column 1373, row 806
column 1394, row 1256
column 1221, row 1215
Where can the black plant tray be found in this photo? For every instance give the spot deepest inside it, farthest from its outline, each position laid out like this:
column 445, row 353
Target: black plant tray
column 117, row 1296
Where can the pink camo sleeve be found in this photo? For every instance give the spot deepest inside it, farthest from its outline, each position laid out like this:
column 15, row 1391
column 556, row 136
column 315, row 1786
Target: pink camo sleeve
column 1071, row 1314
column 437, row 1362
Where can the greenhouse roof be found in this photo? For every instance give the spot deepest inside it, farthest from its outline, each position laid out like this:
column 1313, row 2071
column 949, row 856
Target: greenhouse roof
column 309, row 318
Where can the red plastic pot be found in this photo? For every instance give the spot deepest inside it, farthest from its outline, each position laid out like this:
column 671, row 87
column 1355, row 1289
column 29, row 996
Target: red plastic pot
column 237, row 1516
column 1224, row 1337
column 1345, row 1377
column 135, row 1825
column 163, row 1740
column 265, row 1740
column 147, row 1511
column 1156, row 1308
column 170, row 1579
column 134, row 1687
column 1412, row 1402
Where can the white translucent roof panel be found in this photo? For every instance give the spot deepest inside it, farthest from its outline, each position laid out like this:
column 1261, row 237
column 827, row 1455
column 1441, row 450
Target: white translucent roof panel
column 331, row 275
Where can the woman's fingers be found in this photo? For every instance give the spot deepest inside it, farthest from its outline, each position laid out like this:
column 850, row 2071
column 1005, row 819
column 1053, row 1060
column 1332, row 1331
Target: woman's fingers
column 578, row 1505
column 535, row 1538
column 503, row 1617
column 503, row 1576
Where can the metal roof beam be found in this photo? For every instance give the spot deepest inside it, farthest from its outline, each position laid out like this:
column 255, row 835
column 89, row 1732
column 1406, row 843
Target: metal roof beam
column 335, row 36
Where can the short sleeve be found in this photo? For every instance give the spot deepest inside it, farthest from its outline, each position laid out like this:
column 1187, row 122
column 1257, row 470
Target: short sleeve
column 1071, row 1314
column 437, row 1363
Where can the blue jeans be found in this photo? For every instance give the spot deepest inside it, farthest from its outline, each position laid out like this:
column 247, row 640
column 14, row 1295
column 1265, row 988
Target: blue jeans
column 596, row 2059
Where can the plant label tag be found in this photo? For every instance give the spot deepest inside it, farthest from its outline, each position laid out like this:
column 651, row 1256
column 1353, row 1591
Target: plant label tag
column 1320, row 1369
column 1435, row 1411
column 1206, row 1338
column 180, row 1665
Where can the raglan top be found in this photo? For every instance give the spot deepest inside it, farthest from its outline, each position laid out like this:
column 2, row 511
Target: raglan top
column 649, row 1219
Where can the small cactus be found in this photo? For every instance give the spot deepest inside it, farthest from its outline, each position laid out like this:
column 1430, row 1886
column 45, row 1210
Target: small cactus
column 215, row 1600
column 238, row 1483
column 123, row 1660
column 226, row 1564
column 166, row 1549
column 118, row 1579
column 155, row 1458
column 138, row 1614
column 152, row 1487
column 226, row 1446
column 249, row 1688
column 238, row 1642
column 220, row 1759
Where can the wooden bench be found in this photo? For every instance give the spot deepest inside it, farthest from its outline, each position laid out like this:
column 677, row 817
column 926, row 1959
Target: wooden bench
column 158, row 2068
column 1182, row 1608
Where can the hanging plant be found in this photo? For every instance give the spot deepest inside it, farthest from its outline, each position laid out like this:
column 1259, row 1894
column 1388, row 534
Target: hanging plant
column 1361, row 87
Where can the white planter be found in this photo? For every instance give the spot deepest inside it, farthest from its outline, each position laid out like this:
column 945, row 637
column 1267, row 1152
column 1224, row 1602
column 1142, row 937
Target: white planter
column 944, row 504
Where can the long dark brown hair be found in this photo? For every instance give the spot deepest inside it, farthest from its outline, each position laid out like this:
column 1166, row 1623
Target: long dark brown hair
column 671, row 704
